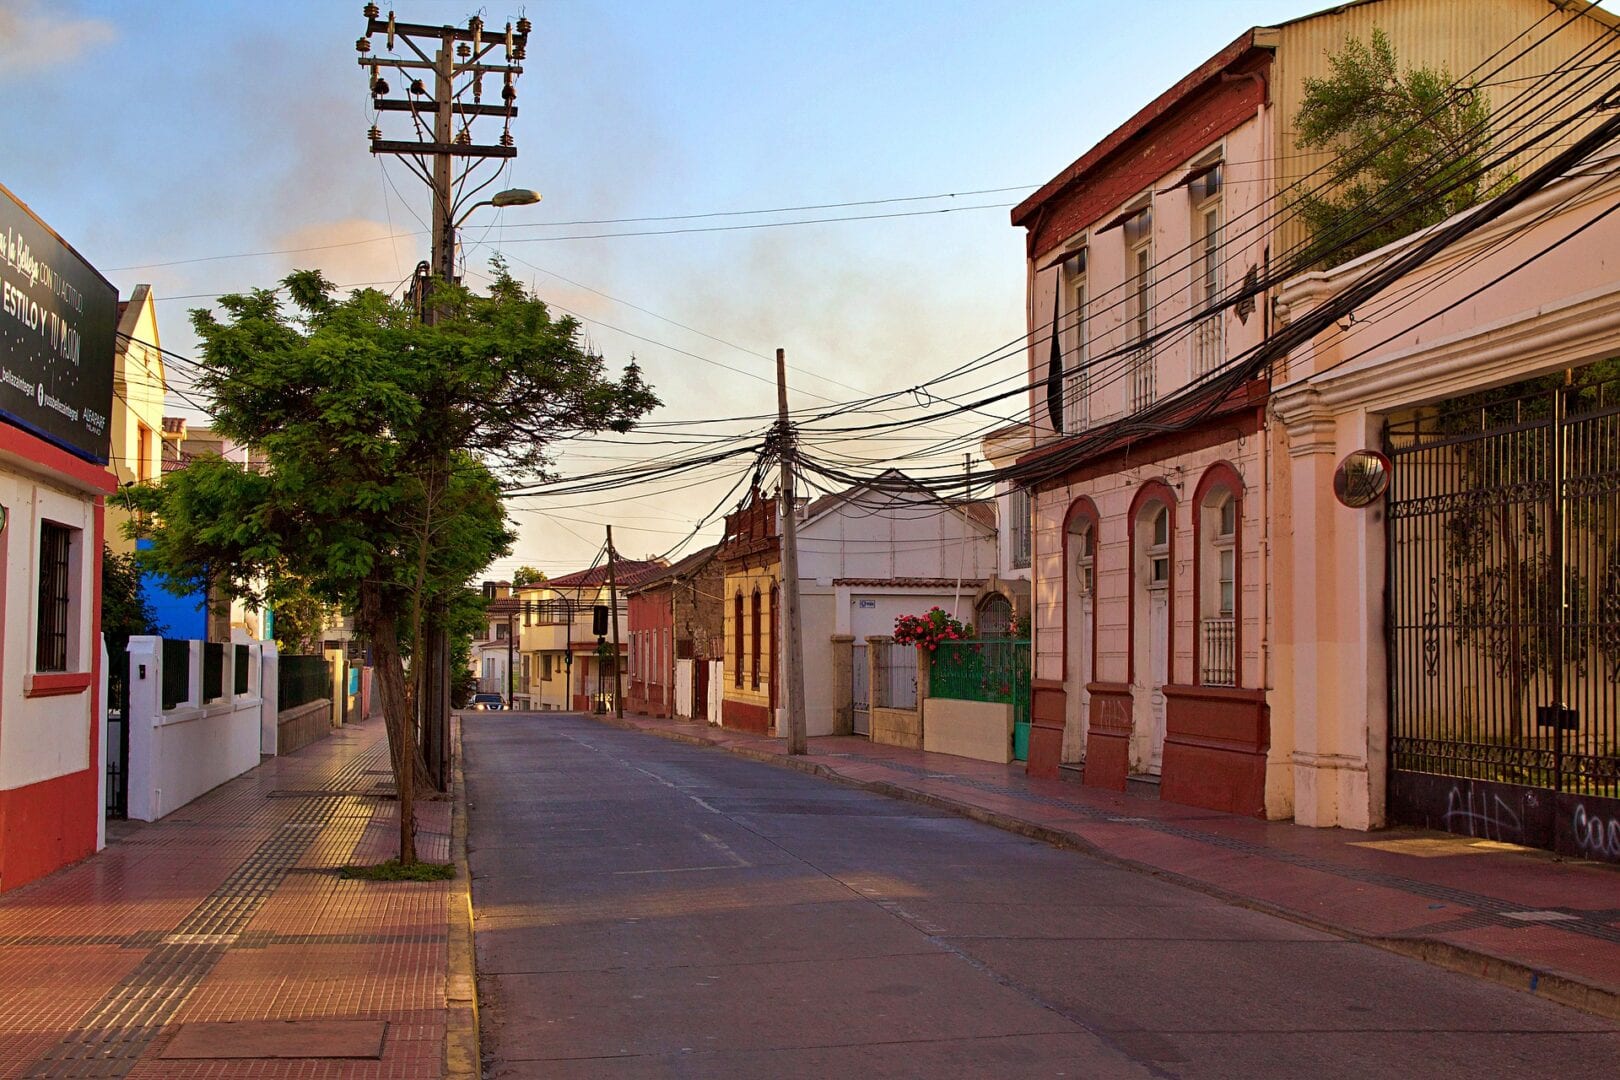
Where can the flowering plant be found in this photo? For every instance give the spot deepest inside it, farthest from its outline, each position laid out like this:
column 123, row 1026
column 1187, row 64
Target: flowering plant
column 928, row 630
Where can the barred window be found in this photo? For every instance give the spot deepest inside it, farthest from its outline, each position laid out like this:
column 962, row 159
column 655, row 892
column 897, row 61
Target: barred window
column 55, row 586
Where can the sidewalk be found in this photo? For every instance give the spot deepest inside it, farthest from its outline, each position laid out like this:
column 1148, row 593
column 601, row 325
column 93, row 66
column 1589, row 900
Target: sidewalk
column 221, row 941
column 1519, row 916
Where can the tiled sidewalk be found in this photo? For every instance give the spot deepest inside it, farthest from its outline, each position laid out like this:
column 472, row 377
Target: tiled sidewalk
column 231, row 910
column 1522, row 917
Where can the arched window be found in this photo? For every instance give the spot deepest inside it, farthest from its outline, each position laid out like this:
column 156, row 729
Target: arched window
column 993, row 618
column 1084, row 547
column 1158, row 550
column 755, row 642
column 737, row 639
column 1217, row 571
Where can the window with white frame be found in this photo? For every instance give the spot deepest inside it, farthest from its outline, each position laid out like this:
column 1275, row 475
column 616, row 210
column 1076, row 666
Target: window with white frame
column 1077, row 377
column 1138, row 232
column 1158, row 551
column 1217, row 600
column 1018, row 525
column 1205, row 192
column 1085, row 559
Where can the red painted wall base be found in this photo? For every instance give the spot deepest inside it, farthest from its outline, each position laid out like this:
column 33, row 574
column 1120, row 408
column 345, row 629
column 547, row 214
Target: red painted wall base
column 1047, row 717
column 46, row 826
column 1215, row 746
column 745, row 716
column 1108, row 738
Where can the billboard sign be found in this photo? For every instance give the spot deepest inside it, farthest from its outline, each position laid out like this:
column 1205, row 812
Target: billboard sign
column 58, row 318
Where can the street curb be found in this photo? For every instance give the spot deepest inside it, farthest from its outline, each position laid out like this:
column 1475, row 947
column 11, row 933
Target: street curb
column 462, row 1060
column 1551, row 985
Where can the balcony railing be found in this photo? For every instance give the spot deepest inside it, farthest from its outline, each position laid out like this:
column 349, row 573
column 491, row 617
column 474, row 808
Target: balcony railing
column 1209, row 346
column 1219, row 636
column 1144, row 378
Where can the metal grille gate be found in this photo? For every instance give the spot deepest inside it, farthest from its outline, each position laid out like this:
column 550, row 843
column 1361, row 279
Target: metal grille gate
column 1504, row 618
column 117, row 733
column 860, row 705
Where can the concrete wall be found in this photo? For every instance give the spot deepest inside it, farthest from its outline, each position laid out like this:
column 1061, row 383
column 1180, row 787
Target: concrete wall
column 303, row 724
column 177, row 755
column 972, row 729
column 897, row 727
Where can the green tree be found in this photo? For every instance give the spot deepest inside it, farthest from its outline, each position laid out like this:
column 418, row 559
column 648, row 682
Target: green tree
column 300, row 617
column 526, row 575
column 1409, row 146
column 381, row 436
column 125, row 611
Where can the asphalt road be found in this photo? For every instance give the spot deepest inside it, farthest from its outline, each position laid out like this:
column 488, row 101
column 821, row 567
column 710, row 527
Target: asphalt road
column 645, row 908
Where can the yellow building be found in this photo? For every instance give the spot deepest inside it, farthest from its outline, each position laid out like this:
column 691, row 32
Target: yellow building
column 135, row 456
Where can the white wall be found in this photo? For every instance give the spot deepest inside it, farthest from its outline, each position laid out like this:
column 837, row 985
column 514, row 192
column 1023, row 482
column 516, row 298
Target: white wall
column 883, row 535
column 43, row 737
column 178, row 755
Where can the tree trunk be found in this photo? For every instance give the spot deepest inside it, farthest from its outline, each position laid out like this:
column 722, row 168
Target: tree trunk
column 381, row 625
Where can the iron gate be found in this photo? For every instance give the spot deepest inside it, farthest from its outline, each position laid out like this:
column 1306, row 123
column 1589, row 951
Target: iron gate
column 860, row 691
column 117, row 734
column 1504, row 617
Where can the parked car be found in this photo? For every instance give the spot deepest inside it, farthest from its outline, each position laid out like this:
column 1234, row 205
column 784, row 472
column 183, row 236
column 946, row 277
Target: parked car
column 489, row 702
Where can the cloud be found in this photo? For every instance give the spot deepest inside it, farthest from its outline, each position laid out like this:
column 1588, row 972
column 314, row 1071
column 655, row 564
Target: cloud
column 33, row 38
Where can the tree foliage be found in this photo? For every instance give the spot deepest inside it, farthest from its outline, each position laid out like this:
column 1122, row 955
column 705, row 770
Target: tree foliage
column 382, row 435
column 527, row 575
column 1410, row 150
column 125, row 611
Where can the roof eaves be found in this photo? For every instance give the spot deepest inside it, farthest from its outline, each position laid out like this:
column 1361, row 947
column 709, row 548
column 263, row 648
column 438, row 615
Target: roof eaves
column 1141, row 121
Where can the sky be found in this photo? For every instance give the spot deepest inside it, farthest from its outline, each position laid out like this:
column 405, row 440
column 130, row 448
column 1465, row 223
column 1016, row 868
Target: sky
column 170, row 140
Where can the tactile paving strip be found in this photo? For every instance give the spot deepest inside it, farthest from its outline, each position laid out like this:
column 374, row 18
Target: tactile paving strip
column 109, row 1039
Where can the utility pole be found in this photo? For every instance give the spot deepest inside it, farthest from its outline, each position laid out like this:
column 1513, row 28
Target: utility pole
column 511, row 659
column 459, row 60
column 790, row 569
column 613, row 613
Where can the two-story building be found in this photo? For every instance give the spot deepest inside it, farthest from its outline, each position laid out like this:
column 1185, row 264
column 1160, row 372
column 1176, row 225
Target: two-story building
column 58, row 322
column 1153, row 470
column 136, row 451
column 569, row 664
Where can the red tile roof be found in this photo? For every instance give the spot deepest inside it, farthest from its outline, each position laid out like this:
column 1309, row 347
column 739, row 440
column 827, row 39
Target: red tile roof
column 628, row 572
column 909, row 582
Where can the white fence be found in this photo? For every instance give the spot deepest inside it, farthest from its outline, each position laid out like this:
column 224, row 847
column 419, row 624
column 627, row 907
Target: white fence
column 717, row 689
column 684, row 687
column 194, row 745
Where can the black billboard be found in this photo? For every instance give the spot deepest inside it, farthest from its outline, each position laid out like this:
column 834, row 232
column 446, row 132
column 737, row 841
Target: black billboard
column 58, row 318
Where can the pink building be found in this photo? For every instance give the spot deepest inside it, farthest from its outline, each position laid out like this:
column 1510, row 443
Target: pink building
column 1194, row 638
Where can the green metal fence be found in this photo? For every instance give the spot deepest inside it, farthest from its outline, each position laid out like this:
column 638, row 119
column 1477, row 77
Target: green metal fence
column 302, row 679
column 994, row 671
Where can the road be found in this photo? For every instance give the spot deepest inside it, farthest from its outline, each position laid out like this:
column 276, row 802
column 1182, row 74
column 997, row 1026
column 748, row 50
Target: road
column 649, row 909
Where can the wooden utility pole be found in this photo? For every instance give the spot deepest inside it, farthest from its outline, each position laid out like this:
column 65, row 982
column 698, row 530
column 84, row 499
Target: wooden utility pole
column 613, row 614
column 459, row 60
column 794, row 653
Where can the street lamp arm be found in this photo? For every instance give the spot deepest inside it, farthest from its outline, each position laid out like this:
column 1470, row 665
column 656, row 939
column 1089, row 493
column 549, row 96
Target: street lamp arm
column 509, row 197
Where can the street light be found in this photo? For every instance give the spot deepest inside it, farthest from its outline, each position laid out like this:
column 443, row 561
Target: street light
column 502, row 199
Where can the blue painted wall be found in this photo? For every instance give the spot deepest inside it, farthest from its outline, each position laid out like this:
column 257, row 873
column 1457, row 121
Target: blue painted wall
column 181, row 617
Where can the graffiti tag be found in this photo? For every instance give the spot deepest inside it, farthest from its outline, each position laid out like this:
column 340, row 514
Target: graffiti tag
column 1596, row 835
column 1482, row 815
